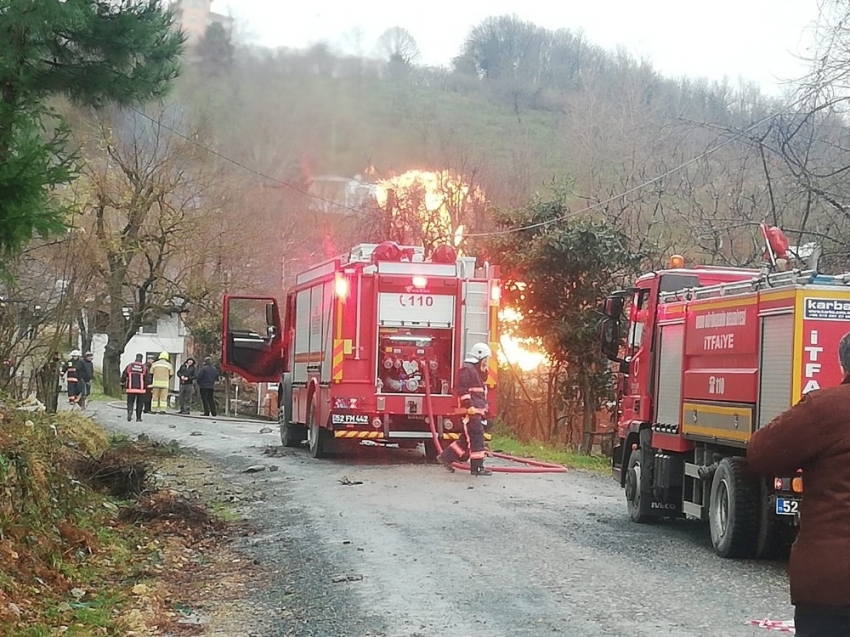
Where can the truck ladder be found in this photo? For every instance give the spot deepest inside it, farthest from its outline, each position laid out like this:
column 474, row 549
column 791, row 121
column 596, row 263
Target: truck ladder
column 776, row 280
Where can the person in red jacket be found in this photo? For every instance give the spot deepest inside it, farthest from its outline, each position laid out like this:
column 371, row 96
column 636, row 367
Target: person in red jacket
column 133, row 380
column 814, row 435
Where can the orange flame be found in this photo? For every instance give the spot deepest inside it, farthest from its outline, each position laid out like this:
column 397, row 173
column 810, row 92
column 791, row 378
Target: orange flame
column 436, row 201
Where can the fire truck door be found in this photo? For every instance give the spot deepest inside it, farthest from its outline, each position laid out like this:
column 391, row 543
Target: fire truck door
column 252, row 343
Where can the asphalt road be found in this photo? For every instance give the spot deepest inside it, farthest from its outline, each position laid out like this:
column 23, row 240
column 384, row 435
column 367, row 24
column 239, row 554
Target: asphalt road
column 437, row 554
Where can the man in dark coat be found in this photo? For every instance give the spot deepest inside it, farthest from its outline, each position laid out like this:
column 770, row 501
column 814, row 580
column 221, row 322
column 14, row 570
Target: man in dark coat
column 88, row 363
column 186, row 374
column 814, row 435
column 148, row 384
column 206, row 378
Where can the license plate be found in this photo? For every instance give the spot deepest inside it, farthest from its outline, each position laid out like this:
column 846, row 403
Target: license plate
column 787, row 506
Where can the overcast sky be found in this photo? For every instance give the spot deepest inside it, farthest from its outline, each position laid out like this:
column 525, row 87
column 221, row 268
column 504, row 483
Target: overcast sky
column 758, row 40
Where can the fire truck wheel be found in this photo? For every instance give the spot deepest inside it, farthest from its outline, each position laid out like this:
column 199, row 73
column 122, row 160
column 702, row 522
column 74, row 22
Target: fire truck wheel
column 732, row 511
column 292, row 435
column 638, row 505
column 316, row 436
column 431, row 451
column 775, row 535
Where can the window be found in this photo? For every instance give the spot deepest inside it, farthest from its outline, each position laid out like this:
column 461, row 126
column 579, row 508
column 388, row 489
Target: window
column 149, row 328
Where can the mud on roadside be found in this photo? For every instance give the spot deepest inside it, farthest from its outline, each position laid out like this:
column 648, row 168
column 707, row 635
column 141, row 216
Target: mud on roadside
column 203, row 581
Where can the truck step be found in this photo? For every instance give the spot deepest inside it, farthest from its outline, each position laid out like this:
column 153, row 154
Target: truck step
column 697, row 511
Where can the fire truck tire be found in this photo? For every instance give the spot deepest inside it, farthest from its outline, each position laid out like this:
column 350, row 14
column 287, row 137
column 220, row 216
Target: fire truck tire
column 316, row 436
column 733, row 510
column 775, row 536
column 431, row 451
column 291, row 435
column 638, row 503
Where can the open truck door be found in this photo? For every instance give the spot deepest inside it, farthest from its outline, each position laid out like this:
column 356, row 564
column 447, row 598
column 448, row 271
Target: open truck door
column 253, row 340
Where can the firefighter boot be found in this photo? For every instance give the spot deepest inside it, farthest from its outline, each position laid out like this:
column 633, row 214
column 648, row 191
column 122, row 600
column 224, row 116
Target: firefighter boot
column 476, row 468
column 446, row 464
column 129, row 415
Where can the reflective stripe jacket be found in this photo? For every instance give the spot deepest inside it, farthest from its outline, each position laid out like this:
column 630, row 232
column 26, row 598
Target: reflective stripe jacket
column 470, row 387
column 162, row 371
column 133, row 378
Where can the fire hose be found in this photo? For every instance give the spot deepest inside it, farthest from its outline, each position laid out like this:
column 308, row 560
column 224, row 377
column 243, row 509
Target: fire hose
column 534, row 466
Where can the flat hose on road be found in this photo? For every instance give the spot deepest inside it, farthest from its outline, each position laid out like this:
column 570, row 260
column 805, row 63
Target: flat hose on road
column 535, row 466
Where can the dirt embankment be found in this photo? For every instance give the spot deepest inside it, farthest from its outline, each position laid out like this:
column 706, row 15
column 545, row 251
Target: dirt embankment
column 111, row 537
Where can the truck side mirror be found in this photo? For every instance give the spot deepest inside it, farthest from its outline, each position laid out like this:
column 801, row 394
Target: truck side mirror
column 271, row 319
column 613, row 306
column 610, row 338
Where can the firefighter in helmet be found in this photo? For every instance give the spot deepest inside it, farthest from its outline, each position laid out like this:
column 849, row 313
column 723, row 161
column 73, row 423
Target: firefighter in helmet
column 473, row 398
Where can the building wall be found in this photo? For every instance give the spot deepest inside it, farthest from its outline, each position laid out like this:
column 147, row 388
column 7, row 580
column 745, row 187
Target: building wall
column 170, row 337
column 194, row 16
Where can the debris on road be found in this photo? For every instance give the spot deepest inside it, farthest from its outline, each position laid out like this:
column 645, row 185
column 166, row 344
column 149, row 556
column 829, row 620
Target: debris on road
column 273, row 452
column 266, row 430
column 273, row 467
column 782, row 626
column 345, row 480
column 255, row 468
column 197, row 433
column 354, row 577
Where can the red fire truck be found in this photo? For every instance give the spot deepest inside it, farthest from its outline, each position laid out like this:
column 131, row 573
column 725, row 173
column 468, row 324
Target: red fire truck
column 711, row 355
column 356, row 336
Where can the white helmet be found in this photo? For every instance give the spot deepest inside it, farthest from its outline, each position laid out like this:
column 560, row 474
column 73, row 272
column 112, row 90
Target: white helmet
column 478, row 353
column 75, row 352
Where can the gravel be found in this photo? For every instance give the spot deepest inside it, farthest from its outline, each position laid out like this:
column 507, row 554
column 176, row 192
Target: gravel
column 379, row 543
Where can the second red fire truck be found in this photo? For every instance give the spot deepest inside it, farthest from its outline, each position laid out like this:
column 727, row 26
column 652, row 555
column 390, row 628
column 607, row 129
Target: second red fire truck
column 711, row 355
column 356, row 335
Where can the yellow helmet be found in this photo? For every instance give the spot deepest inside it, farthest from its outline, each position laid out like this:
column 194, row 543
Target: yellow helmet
column 163, row 356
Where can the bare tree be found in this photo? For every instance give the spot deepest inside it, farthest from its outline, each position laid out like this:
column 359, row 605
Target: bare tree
column 150, row 200
column 397, row 45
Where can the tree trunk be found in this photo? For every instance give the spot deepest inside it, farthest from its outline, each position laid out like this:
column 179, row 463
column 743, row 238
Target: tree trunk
column 587, row 420
column 115, row 333
column 47, row 385
column 84, row 317
column 112, row 367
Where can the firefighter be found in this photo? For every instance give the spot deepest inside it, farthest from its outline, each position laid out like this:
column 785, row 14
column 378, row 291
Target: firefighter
column 75, row 377
column 133, row 381
column 473, row 398
column 161, row 372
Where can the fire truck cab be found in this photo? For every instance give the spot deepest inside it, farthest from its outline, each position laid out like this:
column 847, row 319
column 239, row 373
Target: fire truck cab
column 711, row 355
column 357, row 334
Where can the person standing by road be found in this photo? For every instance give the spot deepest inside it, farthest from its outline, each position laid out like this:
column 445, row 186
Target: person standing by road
column 161, row 373
column 473, row 398
column 148, row 383
column 133, row 382
column 88, row 363
column 207, row 378
column 75, row 378
column 186, row 374
column 814, row 435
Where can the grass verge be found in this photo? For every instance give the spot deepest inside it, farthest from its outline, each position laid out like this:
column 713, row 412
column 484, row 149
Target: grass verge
column 549, row 453
column 77, row 561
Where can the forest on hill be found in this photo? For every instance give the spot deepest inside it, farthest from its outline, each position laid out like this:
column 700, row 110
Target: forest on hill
column 522, row 106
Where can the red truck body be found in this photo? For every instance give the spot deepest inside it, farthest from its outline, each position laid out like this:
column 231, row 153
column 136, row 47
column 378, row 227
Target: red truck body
column 711, row 355
column 356, row 334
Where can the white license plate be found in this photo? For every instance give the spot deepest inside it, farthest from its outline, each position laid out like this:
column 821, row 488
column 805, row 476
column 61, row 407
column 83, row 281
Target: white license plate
column 787, row 506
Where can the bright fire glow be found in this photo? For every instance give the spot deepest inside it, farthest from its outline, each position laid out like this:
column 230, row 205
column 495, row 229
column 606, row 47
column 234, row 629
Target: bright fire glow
column 436, row 204
column 525, row 353
column 435, row 201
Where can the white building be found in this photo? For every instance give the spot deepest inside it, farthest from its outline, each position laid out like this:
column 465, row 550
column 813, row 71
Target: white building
column 167, row 334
